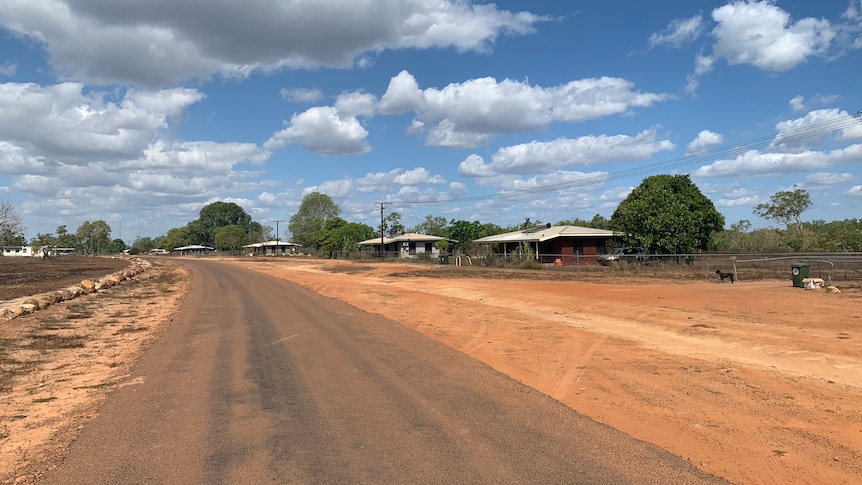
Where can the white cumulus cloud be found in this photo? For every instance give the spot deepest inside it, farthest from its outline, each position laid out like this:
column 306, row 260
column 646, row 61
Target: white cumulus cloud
column 763, row 35
column 464, row 114
column 322, row 130
column 705, row 139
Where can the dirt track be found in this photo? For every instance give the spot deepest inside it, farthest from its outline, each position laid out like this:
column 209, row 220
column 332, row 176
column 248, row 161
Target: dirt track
column 757, row 382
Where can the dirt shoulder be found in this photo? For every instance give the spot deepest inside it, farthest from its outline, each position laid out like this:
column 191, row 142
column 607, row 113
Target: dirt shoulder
column 59, row 364
column 757, row 382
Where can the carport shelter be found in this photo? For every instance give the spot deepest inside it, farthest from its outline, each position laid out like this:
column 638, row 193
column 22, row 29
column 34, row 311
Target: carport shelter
column 570, row 244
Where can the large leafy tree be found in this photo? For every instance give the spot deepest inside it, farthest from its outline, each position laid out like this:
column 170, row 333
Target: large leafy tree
column 11, row 225
column 116, row 246
column 175, row 238
column 43, row 240
column 310, row 219
column 94, row 237
column 230, row 238
column 65, row 239
column 667, row 214
column 464, row 233
column 144, row 244
column 341, row 236
column 433, row 226
column 220, row 214
column 786, row 207
column 197, row 233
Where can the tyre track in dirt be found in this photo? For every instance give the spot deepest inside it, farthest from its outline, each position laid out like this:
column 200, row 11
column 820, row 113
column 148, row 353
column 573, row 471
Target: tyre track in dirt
column 721, row 404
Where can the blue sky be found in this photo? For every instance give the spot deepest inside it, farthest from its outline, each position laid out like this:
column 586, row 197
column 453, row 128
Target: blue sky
column 140, row 113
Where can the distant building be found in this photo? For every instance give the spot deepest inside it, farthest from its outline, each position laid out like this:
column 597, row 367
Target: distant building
column 195, row 249
column 271, row 248
column 409, row 245
column 36, row 252
column 18, row 251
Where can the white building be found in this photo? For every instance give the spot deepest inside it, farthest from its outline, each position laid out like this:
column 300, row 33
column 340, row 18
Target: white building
column 271, row 247
column 19, row 251
column 409, row 245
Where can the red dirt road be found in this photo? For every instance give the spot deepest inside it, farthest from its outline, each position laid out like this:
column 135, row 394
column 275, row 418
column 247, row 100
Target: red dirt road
column 755, row 382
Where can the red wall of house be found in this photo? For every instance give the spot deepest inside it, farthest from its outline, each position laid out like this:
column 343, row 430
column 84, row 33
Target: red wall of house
column 565, row 248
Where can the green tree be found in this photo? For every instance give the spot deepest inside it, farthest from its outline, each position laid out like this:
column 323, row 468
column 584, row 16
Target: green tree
column 341, row 236
column 737, row 239
column 144, row 244
column 257, row 232
column 176, row 237
column 310, row 219
column 667, row 214
column 43, row 240
column 464, row 233
column 220, row 214
column 94, row 237
column 11, row 225
column 786, row 207
column 197, row 233
column 116, row 246
column 433, row 226
column 392, row 225
column 598, row 222
column 845, row 235
column 65, row 239
column 230, row 238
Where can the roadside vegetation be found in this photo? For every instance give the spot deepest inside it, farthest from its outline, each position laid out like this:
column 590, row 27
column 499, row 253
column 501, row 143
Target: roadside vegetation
column 665, row 214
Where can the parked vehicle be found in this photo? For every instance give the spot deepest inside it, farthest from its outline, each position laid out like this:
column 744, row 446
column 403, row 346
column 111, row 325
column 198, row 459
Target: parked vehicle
column 624, row 255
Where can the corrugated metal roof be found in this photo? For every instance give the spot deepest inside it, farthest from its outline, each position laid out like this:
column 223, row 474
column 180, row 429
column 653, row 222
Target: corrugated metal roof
column 407, row 237
column 541, row 234
column 270, row 243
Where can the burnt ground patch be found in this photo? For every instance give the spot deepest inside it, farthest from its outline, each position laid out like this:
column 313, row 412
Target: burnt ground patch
column 30, row 276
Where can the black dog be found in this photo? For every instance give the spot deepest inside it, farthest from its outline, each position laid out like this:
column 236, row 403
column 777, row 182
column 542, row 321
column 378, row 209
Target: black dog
column 725, row 276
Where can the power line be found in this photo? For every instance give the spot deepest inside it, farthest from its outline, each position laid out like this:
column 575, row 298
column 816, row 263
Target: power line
column 786, row 138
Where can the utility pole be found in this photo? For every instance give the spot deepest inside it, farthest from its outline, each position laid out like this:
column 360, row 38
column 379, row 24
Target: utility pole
column 276, row 229
column 274, row 251
column 382, row 245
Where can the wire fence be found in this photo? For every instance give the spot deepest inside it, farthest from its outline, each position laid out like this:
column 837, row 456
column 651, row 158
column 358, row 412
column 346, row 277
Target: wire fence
column 833, row 268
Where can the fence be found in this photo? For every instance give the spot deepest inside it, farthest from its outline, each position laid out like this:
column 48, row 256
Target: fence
column 834, row 268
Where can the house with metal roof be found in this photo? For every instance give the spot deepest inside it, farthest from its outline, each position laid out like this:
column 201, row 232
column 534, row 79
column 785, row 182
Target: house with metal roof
column 570, row 244
column 408, row 245
column 269, row 248
column 193, row 249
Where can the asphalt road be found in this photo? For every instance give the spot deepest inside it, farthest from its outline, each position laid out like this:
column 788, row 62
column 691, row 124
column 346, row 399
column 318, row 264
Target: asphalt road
column 259, row 380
